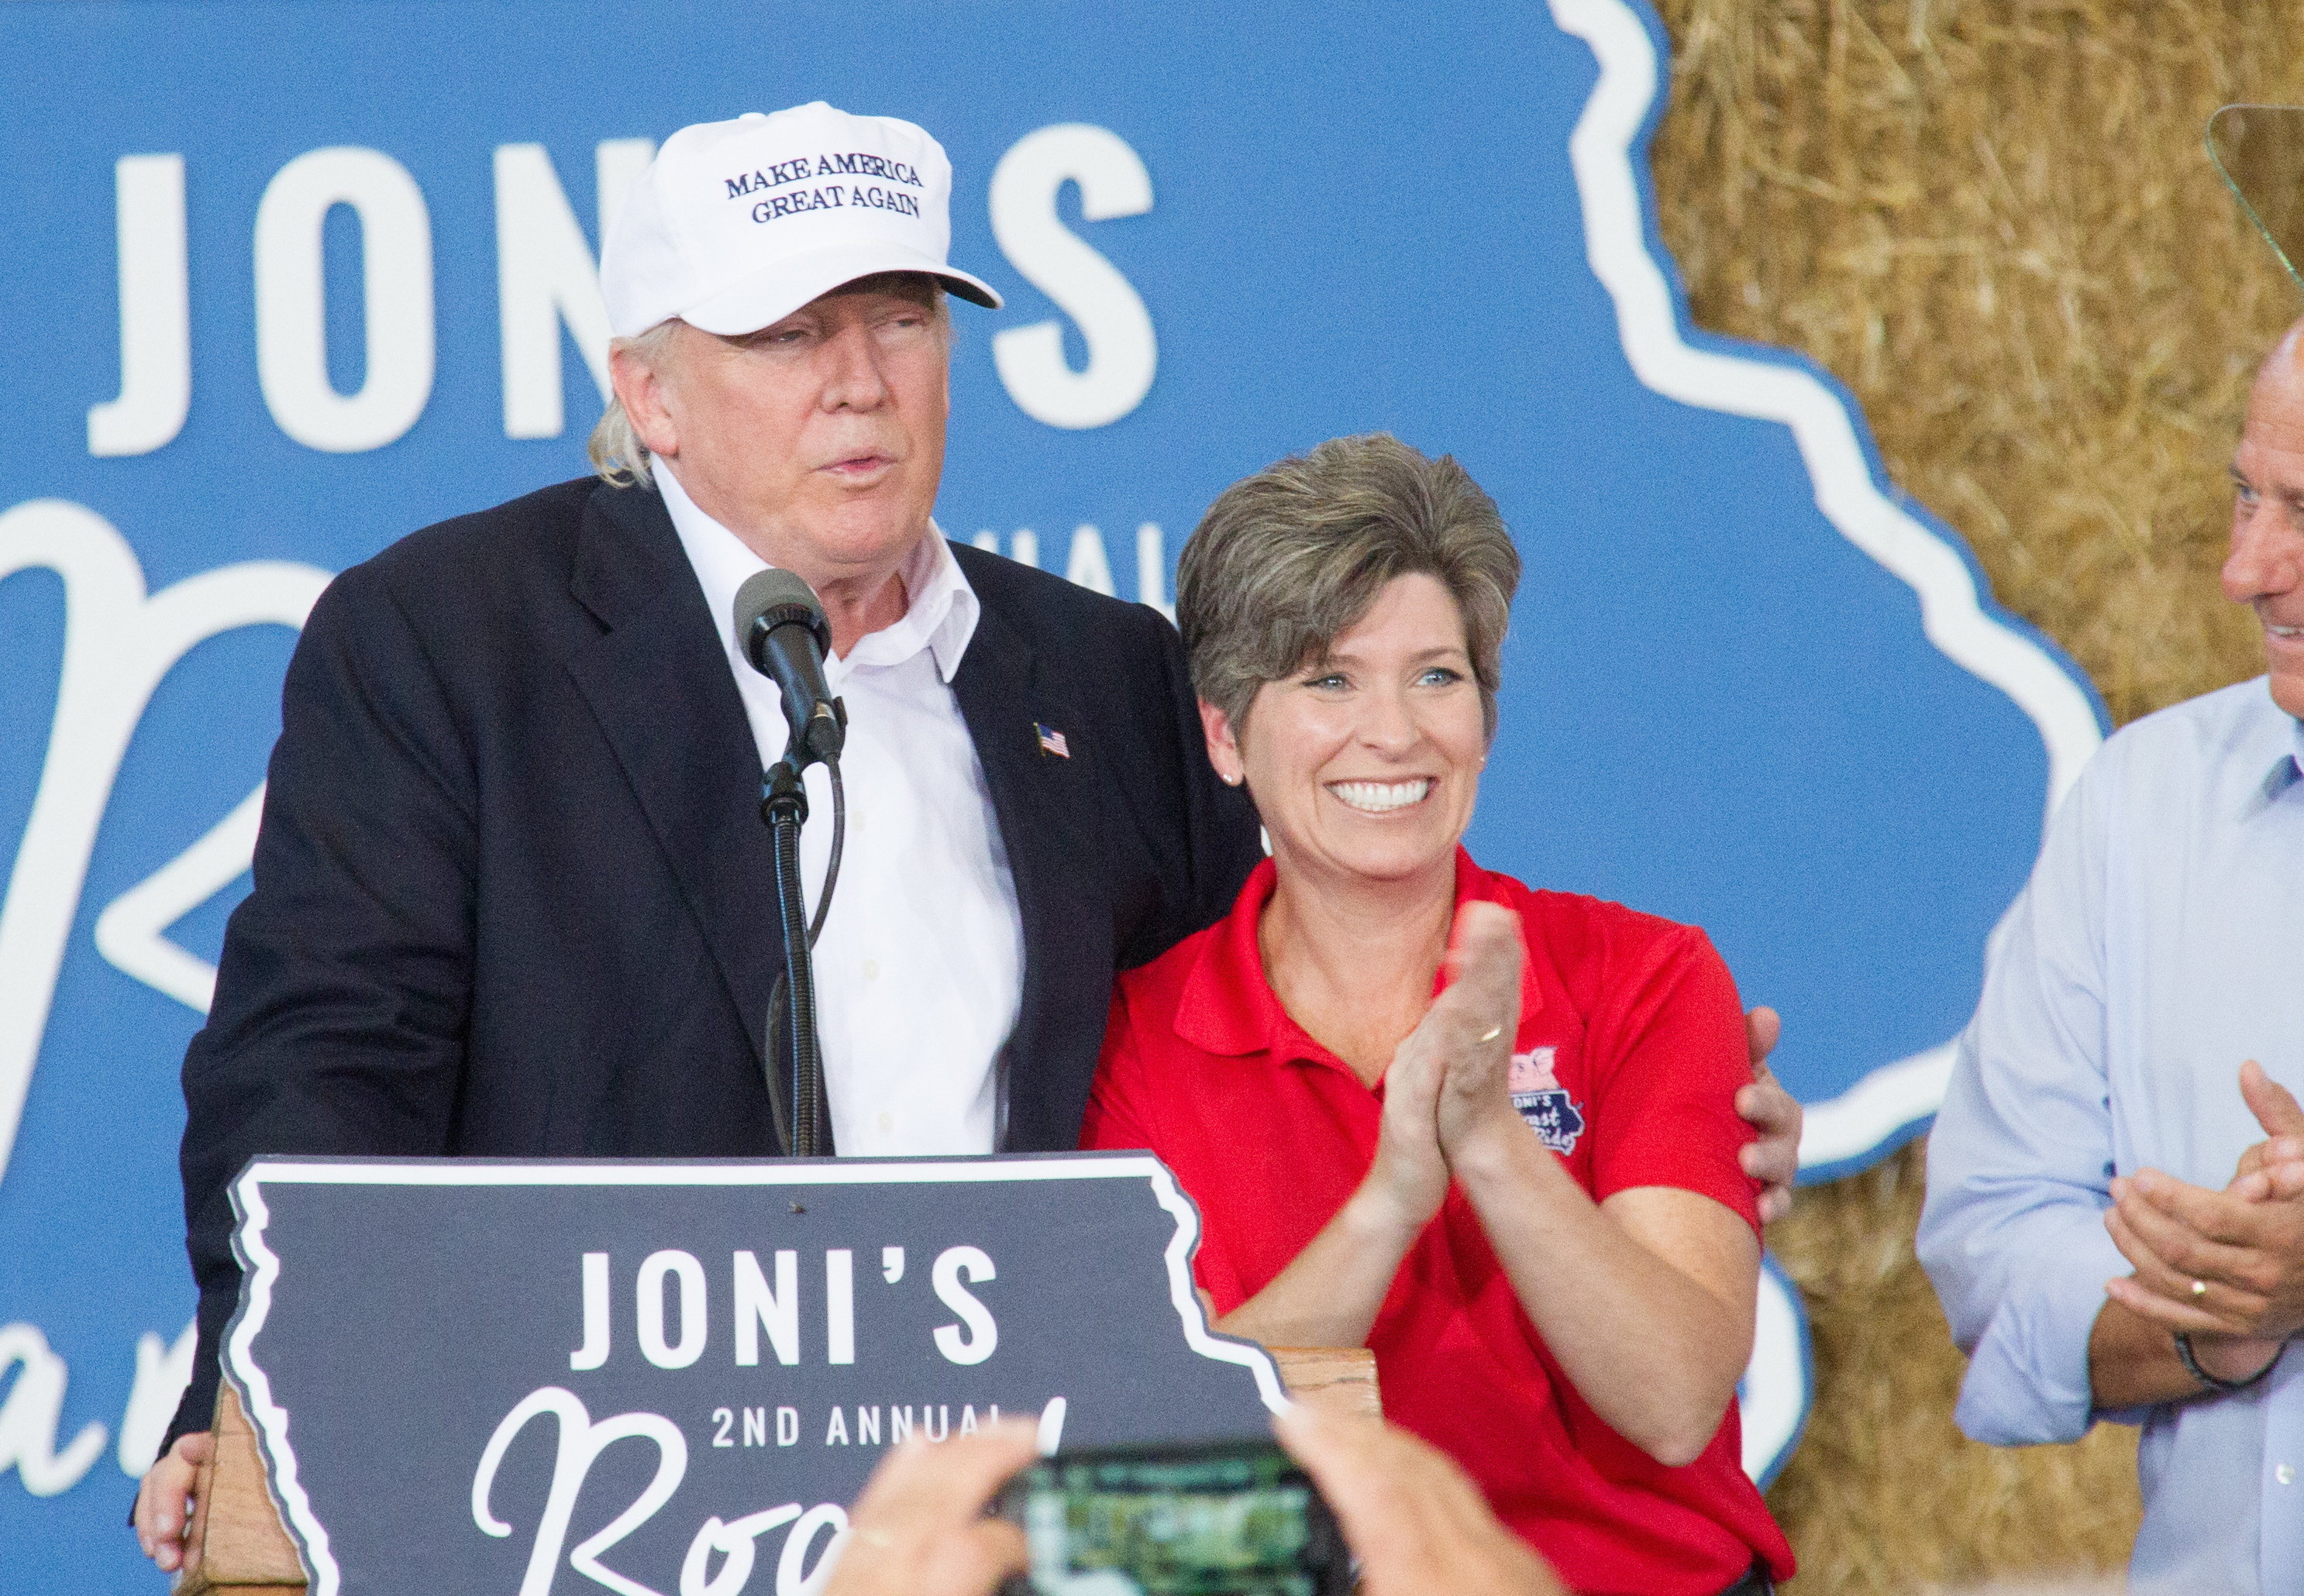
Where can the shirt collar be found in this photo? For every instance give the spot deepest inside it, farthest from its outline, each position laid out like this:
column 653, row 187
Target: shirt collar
column 1229, row 1008
column 2288, row 769
column 940, row 611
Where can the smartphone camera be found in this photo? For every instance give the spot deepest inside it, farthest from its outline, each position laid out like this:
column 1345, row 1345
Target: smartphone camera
column 1230, row 1520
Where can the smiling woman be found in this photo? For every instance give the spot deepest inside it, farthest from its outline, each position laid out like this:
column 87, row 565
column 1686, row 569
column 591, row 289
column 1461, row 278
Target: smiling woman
column 1363, row 766
column 1523, row 1192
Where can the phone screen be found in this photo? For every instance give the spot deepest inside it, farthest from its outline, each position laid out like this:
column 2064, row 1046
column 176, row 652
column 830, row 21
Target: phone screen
column 1241, row 1519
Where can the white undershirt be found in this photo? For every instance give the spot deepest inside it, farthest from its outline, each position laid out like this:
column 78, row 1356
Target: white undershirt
column 919, row 970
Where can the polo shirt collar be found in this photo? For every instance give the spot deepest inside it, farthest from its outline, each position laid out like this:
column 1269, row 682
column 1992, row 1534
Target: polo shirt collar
column 1229, row 1008
column 2268, row 743
column 940, row 609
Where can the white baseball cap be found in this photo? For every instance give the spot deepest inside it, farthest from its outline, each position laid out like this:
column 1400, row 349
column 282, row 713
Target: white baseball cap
column 736, row 224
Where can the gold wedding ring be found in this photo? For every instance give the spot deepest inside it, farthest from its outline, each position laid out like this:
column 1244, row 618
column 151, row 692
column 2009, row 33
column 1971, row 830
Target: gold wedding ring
column 2199, row 1289
column 1492, row 1032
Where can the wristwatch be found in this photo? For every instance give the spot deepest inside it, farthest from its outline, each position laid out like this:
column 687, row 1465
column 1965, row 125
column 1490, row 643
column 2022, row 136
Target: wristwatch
column 2222, row 1386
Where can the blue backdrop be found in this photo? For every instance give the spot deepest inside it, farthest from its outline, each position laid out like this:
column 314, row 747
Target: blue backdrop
column 1746, row 685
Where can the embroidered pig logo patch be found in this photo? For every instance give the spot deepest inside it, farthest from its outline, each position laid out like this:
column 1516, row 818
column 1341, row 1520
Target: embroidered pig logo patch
column 1543, row 1101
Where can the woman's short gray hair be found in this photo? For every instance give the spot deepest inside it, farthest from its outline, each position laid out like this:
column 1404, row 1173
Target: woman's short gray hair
column 1289, row 560
column 617, row 453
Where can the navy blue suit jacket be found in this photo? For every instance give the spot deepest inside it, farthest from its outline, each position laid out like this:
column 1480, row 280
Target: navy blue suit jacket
column 514, row 897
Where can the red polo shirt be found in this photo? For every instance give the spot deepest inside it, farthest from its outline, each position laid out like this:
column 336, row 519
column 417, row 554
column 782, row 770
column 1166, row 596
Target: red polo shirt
column 1630, row 1051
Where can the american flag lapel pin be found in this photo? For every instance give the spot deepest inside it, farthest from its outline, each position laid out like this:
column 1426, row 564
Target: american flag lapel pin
column 1052, row 741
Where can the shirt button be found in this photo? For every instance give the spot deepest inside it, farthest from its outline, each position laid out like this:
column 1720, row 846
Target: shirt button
column 871, row 969
column 888, row 1123
column 2285, row 1474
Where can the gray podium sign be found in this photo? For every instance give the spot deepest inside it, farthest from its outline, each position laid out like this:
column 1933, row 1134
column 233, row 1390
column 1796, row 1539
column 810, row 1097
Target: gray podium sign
column 653, row 1378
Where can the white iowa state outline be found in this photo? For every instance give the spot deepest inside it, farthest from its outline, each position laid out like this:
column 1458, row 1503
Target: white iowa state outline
column 1848, row 1130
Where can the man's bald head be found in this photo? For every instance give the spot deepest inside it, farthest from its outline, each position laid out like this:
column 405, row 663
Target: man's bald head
column 2281, row 366
column 2265, row 567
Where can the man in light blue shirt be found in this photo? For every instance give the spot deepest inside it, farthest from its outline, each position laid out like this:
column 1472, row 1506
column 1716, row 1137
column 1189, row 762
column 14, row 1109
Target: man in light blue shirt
column 2101, row 1120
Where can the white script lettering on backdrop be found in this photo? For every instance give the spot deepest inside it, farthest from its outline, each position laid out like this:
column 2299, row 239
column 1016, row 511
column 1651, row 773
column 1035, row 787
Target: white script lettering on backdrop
column 119, row 642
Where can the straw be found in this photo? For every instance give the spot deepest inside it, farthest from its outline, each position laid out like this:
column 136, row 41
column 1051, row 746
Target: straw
column 1998, row 225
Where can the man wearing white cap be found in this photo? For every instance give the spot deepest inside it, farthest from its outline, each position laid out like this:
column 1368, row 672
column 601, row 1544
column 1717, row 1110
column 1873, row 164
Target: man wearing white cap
column 512, row 893
column 514, row 897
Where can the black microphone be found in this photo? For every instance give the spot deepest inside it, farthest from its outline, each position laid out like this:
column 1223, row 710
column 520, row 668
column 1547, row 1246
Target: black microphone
column 779, row 626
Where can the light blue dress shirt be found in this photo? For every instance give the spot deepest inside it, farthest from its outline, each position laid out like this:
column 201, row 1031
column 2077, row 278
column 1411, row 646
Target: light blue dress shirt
column 2159, row 943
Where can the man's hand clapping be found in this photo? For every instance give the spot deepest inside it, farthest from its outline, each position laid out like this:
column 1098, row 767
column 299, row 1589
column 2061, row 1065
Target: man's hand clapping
column 2227, row 1263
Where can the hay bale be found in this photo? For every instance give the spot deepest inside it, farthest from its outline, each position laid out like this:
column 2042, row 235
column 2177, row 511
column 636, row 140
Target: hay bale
column 1997, row 224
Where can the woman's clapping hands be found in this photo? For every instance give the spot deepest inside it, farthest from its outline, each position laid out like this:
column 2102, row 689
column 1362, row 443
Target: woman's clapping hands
column 1473, row 1025
column 1447, row 1082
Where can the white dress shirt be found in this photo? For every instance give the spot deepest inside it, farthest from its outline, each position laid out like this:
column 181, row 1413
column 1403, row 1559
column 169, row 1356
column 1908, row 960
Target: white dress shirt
column 2159, row 943
column 919, row 970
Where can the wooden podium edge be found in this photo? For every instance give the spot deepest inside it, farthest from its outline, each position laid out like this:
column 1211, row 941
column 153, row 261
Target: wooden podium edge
column 1339, row 1379
column 238, row 1547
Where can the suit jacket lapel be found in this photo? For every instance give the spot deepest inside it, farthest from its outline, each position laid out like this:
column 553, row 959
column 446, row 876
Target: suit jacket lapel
column 658, row 683
column 1002, row 693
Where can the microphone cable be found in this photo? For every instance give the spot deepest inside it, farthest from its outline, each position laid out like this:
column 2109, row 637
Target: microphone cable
column 832, row 865
column 780, row 995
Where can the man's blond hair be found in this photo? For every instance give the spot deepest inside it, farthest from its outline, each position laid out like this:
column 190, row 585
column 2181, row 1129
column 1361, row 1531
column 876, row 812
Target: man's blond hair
column 615, row 449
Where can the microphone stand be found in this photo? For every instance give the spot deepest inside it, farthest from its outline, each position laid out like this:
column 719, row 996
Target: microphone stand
column 783, row 805
column 781, row 626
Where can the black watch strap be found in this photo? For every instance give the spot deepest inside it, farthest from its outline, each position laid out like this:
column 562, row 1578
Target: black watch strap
column 2223, row 1388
